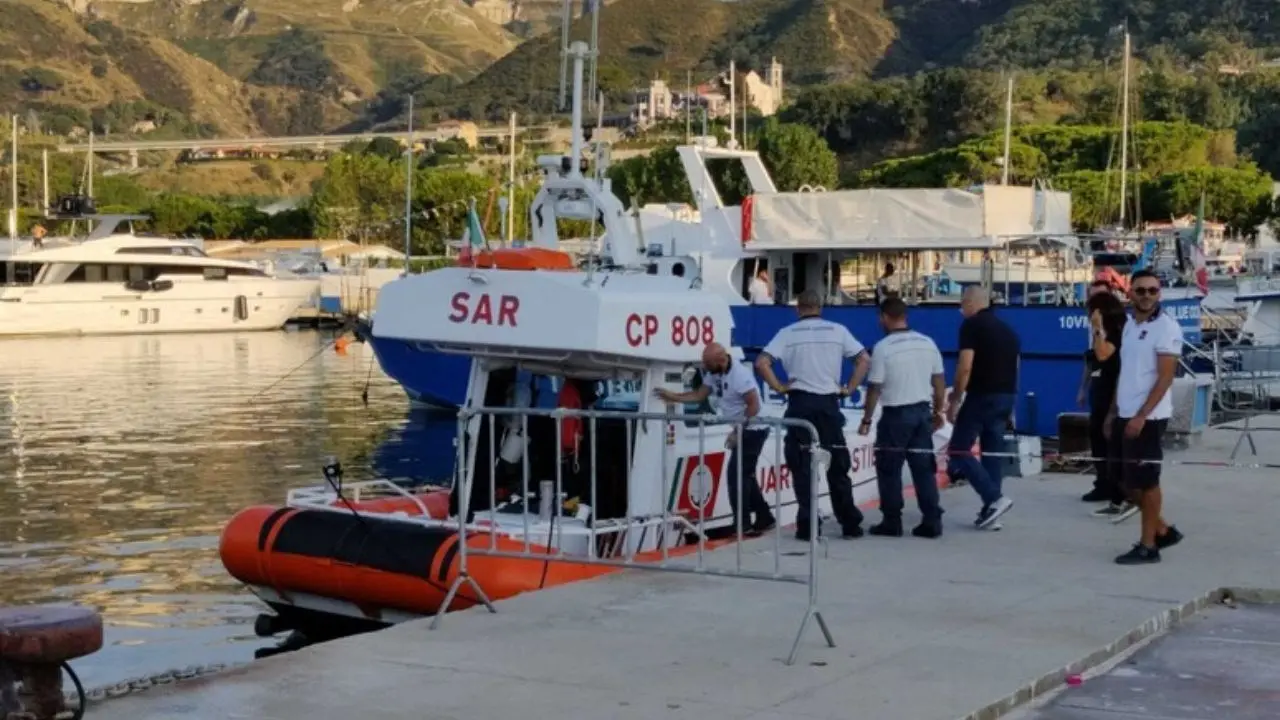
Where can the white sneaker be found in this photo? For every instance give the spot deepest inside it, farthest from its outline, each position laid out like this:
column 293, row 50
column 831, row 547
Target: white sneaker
column 1124, row 512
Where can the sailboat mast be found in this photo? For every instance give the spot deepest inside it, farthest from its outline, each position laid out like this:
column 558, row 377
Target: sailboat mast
column 511, row 183
column 1008, row 132
column 13, row 182
column 733, row 107
column 1124, row 129
column 408, row 194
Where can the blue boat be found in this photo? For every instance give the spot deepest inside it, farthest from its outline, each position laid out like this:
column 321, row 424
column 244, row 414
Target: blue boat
column 806, row 240
column 1053, row 342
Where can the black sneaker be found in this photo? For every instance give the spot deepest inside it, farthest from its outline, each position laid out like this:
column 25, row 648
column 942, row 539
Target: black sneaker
column 803, row 535
column 927, row 530
column 763, row 526
column 851, row 533
column 1171, row 537
column 1139, row 555
column 990, row 513
column 887, row 529
column 1096, row 495
column 1109, row 510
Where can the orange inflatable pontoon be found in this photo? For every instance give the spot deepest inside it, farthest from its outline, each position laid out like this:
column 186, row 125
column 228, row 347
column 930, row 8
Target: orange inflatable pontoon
column 330, row 574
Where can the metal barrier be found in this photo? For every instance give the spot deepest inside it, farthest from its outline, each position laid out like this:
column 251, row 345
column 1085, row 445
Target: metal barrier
column 620, row 542
column 1248, row 376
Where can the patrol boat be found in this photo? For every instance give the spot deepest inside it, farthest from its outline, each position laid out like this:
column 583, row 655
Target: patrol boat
column 337, row 559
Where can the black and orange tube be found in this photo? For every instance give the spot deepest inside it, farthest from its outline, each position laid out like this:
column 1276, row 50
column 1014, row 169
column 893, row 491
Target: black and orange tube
column 378, row 562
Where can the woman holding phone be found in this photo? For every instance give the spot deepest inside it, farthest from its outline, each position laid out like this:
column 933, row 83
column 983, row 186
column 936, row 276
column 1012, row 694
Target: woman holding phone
column 1106, row 319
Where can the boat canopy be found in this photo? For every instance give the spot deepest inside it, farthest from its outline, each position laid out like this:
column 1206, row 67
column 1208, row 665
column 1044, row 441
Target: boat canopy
column 907, row 219
column 570, row 319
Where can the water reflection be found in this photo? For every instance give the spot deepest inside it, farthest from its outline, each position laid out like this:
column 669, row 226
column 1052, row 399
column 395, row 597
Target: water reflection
column 121, row 458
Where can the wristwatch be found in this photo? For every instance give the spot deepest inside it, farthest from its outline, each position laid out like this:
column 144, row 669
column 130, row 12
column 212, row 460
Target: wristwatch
column 865, row 421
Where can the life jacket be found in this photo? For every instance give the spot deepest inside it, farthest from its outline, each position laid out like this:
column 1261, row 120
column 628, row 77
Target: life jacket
column 570, row 427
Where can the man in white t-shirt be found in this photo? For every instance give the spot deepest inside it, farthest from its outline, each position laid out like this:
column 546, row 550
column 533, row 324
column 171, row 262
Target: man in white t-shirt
column 738, row 399
column 1149, row 350
column 813, row 351
column 760, row 289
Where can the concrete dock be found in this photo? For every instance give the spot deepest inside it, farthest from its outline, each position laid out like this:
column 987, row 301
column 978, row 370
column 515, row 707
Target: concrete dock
column 972, row 625
column 1223, row 663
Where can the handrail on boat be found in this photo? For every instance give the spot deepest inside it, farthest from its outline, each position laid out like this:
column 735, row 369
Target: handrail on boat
column 322, row 497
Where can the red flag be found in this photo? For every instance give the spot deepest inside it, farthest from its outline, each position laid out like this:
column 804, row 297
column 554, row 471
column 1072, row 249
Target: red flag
column 748, row 204
column 1201, row 271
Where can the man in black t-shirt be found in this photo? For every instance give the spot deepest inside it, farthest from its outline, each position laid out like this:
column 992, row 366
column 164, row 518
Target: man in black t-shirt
column 982, row 399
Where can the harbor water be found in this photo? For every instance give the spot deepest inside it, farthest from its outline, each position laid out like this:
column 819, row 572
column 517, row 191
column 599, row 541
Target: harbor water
column 122, row 457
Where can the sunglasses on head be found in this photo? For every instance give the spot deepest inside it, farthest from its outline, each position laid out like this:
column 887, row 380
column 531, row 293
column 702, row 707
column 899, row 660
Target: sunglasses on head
column 1143, row 291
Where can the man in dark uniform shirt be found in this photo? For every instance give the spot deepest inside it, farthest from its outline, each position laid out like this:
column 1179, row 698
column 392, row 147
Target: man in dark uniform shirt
column 982, row 399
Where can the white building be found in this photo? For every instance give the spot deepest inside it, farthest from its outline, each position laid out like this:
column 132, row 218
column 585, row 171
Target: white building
column 658, row 102
column 765, row 94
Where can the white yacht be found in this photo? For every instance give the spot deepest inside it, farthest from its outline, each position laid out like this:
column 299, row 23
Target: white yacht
column 116, row 282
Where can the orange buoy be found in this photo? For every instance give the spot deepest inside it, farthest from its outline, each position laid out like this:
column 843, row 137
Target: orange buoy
column 340, row 345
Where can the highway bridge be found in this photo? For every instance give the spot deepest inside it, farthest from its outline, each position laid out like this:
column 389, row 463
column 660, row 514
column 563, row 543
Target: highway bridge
column 316, row 141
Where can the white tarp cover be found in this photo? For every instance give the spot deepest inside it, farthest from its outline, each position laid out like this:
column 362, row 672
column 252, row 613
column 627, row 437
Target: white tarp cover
column 921, row 219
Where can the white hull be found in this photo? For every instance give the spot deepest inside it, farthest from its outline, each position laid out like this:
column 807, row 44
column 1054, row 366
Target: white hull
column 194, row 305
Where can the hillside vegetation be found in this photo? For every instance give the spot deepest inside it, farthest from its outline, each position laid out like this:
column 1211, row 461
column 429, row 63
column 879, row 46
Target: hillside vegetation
column 51, row 63
column 368, row 41
column 817, row 40
column 839, row 40
column 231, row 68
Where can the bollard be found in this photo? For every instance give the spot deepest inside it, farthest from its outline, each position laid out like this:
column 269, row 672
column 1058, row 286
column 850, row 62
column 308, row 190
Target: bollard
column 35, row 642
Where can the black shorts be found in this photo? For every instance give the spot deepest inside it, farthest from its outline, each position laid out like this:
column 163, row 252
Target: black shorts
column 1130, row 452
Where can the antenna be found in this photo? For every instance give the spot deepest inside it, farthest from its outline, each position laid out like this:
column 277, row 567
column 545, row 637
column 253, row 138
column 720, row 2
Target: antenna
column 566, row 15
column 592, row 84
column 578, row 50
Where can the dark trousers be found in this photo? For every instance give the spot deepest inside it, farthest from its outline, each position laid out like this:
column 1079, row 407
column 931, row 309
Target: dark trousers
column 902, row 429
column 1135, row 475
column 983, row 417
column 1106, row 476
column 749, row 457
column 824, row 412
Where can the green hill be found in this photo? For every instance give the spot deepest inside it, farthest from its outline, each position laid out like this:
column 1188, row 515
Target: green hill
column 838, row 40
column 816, row 40
column 294, row 66
column 232, row 67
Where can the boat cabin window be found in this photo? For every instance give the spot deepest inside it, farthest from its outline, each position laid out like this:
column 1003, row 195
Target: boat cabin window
column 20, row 273
column 187, row 250
column 117, row 273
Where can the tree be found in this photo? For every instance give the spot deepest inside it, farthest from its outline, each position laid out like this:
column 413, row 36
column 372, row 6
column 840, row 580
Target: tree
column 295, row 58
column 441, row 198
column 359, row 196
column 384, row 147
column 654, row 178
column 796, row 155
